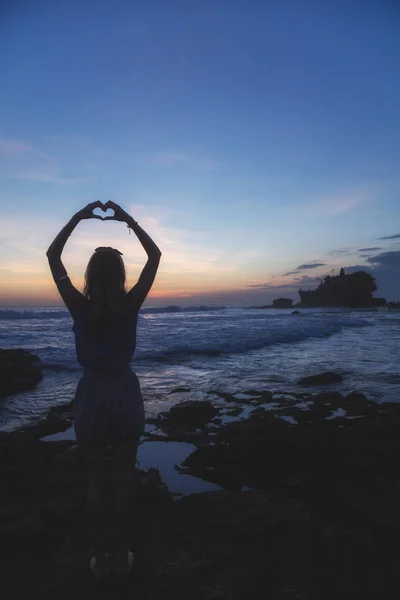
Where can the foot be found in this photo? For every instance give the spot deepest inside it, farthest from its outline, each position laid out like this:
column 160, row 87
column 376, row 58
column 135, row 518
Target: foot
column 99, row 566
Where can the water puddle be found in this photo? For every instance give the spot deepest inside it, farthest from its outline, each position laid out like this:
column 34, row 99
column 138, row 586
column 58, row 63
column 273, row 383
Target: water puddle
column 303, row 405
column 243, row 396
column 289, row 419
column 162, row 456
column 340, row 412
column 61, row 436
column 270, row 406
column 243, row 414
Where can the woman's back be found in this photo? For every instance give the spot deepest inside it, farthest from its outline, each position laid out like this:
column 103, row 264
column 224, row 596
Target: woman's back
column 108, row 341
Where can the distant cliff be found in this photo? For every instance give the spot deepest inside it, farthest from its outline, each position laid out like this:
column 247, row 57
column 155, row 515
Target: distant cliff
column 353, row 290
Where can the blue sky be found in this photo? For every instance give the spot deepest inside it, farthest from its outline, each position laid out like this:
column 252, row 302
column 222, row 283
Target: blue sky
column 248, row 138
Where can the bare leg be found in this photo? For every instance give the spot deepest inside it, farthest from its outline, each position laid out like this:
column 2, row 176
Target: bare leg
column 96, row 458
column 123, row 481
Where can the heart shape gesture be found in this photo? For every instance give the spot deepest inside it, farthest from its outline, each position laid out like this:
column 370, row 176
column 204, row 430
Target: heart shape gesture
column 118, row 215
column 108, row 213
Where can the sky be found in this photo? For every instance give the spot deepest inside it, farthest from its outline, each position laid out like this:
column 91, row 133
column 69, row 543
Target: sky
column 256, row 142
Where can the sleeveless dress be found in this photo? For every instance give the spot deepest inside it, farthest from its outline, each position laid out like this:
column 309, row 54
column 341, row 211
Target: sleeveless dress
column 108, row 400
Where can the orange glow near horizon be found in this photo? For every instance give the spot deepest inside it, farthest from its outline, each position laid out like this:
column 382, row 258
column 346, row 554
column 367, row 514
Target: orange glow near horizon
column 189, row 271
column 42, row 291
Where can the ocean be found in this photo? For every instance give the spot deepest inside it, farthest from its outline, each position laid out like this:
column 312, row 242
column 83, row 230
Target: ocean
column 207, row 350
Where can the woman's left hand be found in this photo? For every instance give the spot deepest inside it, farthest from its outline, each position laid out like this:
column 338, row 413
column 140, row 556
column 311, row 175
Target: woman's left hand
column 87, row 212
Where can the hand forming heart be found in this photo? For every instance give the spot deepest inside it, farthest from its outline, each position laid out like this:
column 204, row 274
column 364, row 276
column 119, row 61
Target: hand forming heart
column 118, row 215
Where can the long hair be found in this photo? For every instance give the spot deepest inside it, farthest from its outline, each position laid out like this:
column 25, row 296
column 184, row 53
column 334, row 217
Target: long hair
column 105, row 278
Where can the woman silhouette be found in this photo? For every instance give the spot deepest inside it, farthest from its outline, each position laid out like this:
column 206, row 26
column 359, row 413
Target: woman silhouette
column 109, row 412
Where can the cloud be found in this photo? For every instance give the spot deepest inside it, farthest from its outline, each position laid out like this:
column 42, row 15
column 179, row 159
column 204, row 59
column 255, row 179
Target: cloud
column 11, row 148
column 335, row 252
column 390, row 237
column 265, row 285
column 76, row 160
column 369, row 249
column 310, row 266
column 51, row 178
column 353, row 268
column 386, row 260
column 336, row 205
column 307, row 280
column 271, row 286
column 385, row 267
column 297, row 281
column 20, row 160
column 304, row 267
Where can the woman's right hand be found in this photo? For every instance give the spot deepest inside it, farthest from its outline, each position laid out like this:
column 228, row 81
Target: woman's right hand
column 87, row 212
column 119, row 213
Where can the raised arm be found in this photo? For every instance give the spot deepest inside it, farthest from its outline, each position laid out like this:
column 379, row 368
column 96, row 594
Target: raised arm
column 68, row 292
column 138, row 293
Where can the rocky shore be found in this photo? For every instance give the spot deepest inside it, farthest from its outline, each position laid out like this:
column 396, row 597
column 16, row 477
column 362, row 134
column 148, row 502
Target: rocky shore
column 19, row 370
column 310, row 505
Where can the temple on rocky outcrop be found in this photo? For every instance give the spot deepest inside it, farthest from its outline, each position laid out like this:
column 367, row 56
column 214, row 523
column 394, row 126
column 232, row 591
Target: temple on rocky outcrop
column 354, row 290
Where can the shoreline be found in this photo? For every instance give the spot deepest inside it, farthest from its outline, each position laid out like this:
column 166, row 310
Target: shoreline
column 305, row 487
column 59, row 418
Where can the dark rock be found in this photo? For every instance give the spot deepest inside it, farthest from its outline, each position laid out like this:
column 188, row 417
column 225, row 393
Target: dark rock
column 233, row 412
column 333, row 398
column 152, row 489
column 258, row 410
column 192, row 412
column 19, row 370
column 356, row 404
column 282, row 303
column 179, row 390
column 255, row 397
column 58, row 419
column 321, row 379
column 356, row 398
column 334, row 470
column 256, row 392
column 322, row 522
column 266, row 396
column 225, row 395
